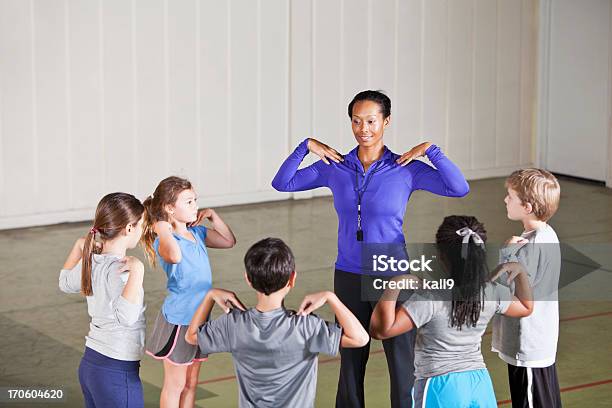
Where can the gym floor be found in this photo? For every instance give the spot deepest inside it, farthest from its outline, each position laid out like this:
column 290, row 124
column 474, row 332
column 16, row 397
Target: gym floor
column 42, row 330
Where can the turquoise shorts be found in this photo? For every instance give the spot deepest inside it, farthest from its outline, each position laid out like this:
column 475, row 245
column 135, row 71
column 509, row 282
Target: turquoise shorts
column 467, row 389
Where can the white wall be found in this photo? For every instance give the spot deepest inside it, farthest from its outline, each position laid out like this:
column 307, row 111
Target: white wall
column 575, row 108
column 460, row 73
column 108, row 95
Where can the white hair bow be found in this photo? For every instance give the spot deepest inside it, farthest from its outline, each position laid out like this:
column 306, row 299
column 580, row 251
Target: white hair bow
column 466, row 233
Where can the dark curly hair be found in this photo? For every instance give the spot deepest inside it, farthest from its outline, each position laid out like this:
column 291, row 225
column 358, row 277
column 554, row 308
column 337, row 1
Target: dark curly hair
column 468, row 268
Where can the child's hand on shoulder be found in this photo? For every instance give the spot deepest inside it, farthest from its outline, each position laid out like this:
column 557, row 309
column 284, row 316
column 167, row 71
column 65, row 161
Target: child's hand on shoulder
column 131, row 264
column 222, row 297
column 516, row 240
column 314, row 301
column 203, row 214
column 512, row 268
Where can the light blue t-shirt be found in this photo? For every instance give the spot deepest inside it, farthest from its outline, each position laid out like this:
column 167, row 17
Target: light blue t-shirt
column 188, row 280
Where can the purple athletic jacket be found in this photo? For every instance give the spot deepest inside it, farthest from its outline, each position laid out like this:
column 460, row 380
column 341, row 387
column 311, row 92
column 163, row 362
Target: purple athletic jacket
column 385, row 189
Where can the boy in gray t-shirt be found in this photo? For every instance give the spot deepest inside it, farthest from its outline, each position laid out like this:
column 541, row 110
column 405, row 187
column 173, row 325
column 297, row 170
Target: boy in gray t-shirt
column 275, row 351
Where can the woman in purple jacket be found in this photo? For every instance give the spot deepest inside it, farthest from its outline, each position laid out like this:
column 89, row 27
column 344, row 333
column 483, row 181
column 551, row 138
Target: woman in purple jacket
column 371, row 186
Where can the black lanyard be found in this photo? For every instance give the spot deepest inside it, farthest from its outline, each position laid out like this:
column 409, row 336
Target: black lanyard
column 360, row 193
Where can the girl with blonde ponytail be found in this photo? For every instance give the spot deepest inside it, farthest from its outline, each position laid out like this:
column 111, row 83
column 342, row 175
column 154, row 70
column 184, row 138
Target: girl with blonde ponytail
column 98, row 268
column 173, row 238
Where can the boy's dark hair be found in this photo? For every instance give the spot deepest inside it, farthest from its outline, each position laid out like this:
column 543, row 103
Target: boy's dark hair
column 378, row 97
column 269, row 264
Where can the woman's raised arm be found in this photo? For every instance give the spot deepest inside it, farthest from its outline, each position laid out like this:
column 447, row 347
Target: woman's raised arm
column 289, row 178
column 446, row 179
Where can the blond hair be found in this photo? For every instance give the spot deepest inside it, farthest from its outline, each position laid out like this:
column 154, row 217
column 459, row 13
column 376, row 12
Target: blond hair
column 537, row 187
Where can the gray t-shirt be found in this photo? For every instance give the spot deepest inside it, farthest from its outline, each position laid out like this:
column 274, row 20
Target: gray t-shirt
column 275, row 353
column 442, row 349
column 532, row 341
column 117, row 328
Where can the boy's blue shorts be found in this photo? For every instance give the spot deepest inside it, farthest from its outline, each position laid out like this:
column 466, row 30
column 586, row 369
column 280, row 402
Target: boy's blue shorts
column 467, row 389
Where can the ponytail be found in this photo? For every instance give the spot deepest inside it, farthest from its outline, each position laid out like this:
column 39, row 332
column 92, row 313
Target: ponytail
column 166, row 193
column 468, row 296
column 88, row 250
column 114, row 212
column 460, row 240
column 148, row 233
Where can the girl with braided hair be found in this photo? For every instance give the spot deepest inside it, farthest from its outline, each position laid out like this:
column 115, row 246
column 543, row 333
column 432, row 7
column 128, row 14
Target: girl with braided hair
column 449, row 367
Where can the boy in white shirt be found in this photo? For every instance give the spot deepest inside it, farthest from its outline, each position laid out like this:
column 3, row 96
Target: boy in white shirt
column 529, row 345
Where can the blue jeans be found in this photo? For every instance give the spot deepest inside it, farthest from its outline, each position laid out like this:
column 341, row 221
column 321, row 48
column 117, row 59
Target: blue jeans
column 107, row 382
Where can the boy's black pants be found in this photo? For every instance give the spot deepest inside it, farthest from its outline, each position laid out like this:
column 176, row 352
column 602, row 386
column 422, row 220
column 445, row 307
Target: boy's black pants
column 534, row 387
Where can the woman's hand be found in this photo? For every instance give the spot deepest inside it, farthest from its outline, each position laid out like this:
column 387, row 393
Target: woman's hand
column 415, row 152
column 203, row 214
column 324, row 151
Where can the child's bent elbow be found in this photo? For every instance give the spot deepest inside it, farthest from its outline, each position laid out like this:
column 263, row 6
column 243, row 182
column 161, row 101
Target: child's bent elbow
column 67, row 289
column 64, row 283
column 349, row 342
column 375, row 334
column 380, row 336
column 172, row 258
column 365, row 339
